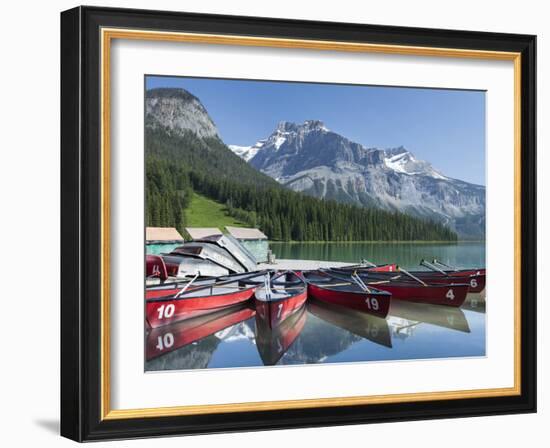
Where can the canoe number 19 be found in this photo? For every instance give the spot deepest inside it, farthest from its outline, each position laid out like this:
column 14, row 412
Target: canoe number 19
column 450, row 294
column 166, row 311
column 372, row 304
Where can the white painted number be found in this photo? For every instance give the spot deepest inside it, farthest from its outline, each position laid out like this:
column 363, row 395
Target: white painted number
column 372, row 304
column 166, row 311
column 165, row 342
column 279, row 309
column 450, row 294
column 473, row 283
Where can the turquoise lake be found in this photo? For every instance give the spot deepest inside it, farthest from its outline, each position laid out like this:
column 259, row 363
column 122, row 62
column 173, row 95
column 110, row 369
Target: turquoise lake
column 321, row 333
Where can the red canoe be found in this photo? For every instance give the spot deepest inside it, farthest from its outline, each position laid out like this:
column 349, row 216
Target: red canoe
column 343, row 292
column 172, row 288
column 403, row 287
column 391, row 267
column 195, row 301
column 155, row 267
column 285, row 293
column 167, row 338
column 475, row 277
column 476, row 282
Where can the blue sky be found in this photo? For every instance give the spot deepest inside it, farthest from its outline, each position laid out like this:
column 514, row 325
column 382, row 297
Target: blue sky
column 444, row 127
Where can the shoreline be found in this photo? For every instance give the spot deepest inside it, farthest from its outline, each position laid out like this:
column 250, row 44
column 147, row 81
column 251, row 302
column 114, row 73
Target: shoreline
column 379, row 242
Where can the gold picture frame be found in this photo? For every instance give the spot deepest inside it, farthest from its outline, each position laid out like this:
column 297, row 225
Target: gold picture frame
column 107, row 30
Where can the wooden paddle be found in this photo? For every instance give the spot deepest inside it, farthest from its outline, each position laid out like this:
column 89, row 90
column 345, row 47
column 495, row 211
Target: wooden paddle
column 414, row 277
column 432, row 267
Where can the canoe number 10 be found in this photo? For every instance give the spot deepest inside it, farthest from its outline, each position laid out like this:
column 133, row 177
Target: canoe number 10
column 372, row 304
column 165, row 341
column 450, row 294
column 166, row 311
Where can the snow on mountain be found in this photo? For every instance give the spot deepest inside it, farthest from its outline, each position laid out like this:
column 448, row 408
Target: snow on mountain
column 404, row 162
column 310, row 158
column 247, row 152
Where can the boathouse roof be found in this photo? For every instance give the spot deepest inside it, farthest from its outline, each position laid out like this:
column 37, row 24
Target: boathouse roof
column 244, row 233
column 196, row 233
column 162, row 234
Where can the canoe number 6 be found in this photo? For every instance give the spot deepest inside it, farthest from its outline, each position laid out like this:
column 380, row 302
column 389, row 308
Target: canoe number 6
column 450, row 294
column 166, row 311
column 165, row 341
column 372, row 304
column 473, row 283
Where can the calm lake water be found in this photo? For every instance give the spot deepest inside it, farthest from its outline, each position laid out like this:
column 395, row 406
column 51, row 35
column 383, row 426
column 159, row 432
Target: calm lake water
column 408, row 255
column 322, row 333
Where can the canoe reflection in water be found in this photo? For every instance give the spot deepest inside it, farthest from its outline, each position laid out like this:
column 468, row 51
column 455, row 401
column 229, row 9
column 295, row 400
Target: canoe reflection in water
column 405, row 315
column 317, row 332
column 274, row 341
column 165, row 339
column 475, row 303
column 362, row 324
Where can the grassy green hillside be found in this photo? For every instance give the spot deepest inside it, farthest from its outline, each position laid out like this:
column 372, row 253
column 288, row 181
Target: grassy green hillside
column 204, row 212
column 200, row 182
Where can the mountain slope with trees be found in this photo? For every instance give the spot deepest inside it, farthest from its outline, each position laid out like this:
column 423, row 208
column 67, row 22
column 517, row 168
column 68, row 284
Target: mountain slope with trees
column 182, row 157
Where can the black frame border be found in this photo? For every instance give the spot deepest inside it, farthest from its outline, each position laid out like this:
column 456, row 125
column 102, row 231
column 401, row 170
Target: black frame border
column 81, row 223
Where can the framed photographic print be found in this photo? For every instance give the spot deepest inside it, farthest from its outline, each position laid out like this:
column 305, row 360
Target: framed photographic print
column 273, row 223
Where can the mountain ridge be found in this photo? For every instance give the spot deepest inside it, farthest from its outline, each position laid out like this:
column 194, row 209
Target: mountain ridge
column 311, row 159
column 185, row 154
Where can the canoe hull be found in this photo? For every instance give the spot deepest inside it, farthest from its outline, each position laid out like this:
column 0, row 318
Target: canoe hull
column 373, row 303
column 475, row 281
column 155, row 267
column 450, row 295
column 384, row 268
column 164, row 311
column 167, row 338
column 276, row 311
column 473, row 278
column 273, row 342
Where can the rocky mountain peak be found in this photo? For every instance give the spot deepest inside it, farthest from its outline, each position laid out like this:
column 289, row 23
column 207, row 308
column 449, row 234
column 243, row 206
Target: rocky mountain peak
column 309, row 158
column 178, row 111
column 306, row 126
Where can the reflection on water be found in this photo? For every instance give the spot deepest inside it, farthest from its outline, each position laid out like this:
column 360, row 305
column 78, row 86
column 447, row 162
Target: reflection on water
column 463, row 254
column 318, row 333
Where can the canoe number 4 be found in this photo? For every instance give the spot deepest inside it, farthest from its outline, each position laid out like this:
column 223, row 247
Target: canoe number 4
column 166, row 311
column 450, row 294
column 165, row 341
column 372, row 303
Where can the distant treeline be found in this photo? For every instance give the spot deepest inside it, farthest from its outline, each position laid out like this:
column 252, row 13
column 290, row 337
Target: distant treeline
column 280, row 213
column 289, row 216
